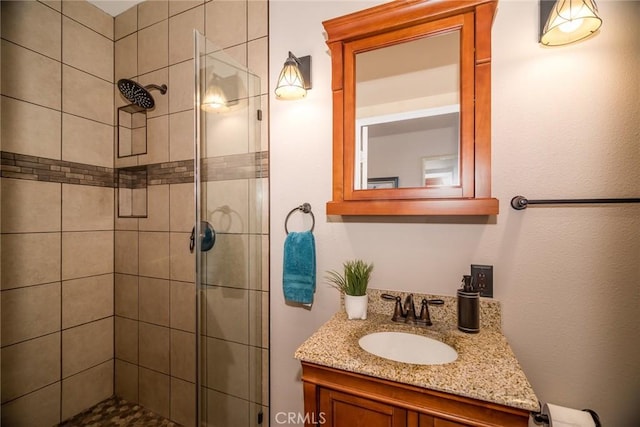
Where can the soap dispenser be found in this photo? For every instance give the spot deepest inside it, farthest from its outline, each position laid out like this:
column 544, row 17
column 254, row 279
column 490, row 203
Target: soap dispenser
column 468, row 306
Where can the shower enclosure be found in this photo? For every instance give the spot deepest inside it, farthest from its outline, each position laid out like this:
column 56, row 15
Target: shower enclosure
column 229, row 238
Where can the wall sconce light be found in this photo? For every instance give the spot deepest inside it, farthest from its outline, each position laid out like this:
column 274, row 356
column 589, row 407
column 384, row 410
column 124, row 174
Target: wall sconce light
column 567, row 21
column 295, row 78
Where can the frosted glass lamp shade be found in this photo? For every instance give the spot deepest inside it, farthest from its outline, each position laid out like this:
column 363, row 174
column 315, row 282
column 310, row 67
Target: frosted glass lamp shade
column 294, row 79
column 570, row 21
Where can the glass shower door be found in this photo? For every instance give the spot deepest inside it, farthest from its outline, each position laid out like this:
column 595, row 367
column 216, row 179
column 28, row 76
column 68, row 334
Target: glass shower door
column 232, row 303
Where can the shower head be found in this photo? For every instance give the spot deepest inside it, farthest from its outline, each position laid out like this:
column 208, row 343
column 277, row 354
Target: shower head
column 139, row 95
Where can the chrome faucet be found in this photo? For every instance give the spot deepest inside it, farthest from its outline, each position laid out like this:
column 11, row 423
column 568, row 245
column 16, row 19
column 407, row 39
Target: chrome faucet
column 407, row 314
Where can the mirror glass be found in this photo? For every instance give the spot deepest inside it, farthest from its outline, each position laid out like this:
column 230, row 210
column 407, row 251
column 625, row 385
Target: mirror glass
column 408, row 114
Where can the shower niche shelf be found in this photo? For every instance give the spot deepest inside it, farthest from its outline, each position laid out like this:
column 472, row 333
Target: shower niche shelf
column 132, row 192
column 132, row 131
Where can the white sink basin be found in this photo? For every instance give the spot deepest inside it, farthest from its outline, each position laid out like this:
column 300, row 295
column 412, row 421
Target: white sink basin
column 408, row 348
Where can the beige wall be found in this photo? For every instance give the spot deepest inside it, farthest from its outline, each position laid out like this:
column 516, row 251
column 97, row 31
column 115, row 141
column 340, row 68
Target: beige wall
column 57, row 306
column 564, row 126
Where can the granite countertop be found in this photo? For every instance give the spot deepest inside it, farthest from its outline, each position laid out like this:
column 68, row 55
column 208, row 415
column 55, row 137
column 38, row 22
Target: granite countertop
column 486, row 368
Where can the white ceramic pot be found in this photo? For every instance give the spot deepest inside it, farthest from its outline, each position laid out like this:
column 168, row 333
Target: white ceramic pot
column 356, row 306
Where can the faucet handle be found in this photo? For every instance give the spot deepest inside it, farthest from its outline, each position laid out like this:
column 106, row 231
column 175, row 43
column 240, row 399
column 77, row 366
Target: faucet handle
column 397, row 311
column 424, row 312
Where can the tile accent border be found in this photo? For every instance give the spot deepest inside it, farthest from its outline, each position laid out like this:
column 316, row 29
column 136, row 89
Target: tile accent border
column 223, row 168
column 22, row 166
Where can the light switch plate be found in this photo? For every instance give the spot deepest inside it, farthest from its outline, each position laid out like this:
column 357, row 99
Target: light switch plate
column 483, row 279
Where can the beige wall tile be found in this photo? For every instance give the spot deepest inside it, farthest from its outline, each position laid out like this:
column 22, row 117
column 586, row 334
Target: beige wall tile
column 124, row 224
column 126, row 295
column 182, row 260
column 30, row 129
column 30, row 312
column 87, row 96
column 226, row 22
column 183, row 400
column 89, row 15
column 227, row 314
column 157, row 141
column 183, row 355
column 257, row 18
column 154, row 347
column 227, row 410
column 40, row 408
column 150, row 12
column 76, row 147
column 181, row 33
column 256, row 374
column 158, row 209
column 237, row 53
column 153, row 47
column 183, row 306
column 96, row 248
column 126, row 57
column 25, row 78
column 87, row 388
column 126, row 23
column 86, row 346
column 181, row 87
column 181, row 136
column 30, row 365
column 154, row 254
column 30, row 206
column 87, row 50
column 154, row 297
column 126, row 252
column 30, row 259
column 228, row 205
column 255, row 261
column 182, row 215
column 258, row 58
column 259, row 318
column 55, row 4
column 256, row 201
column 154, row 391
column 228, row 367
column 158, row 77
column 86, row 207
column 126, row 380
column 227, row 264
column 126, row 339
column 229, row 139
column 85, row 300
column 176, row 7
column 32, row 25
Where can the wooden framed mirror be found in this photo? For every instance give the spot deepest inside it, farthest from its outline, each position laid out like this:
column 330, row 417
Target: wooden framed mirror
column 411, row 85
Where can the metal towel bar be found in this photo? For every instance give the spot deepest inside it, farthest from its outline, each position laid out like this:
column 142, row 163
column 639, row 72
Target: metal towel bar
column 520, row 202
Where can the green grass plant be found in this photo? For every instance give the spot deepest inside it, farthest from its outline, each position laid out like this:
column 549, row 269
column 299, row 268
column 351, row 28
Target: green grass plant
column 354, row 280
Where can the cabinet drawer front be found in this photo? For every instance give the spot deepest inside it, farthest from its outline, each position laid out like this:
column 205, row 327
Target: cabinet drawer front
column 343, row 410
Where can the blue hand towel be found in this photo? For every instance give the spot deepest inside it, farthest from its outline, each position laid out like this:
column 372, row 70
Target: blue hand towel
column 299, row 273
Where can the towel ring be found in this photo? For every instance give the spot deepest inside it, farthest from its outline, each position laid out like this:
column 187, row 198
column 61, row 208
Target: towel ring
column 305, row 208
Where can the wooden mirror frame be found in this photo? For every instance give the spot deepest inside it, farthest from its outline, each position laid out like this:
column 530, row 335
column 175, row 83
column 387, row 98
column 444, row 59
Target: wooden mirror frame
column 395, row 22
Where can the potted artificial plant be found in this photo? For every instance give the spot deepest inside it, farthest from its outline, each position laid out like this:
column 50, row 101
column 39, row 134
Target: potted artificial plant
column 353, row 283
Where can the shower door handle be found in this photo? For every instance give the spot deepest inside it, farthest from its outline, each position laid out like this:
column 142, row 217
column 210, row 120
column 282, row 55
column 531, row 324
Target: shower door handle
column 207, row 237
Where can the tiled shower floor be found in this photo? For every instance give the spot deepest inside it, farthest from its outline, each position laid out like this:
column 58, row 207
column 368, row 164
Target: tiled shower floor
column 117, row 412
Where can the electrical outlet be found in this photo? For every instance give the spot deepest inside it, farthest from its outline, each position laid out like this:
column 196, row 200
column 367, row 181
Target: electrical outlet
column 483, row 279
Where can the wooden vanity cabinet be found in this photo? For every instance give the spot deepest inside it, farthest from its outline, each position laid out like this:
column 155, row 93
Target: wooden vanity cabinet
column 336, row 398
